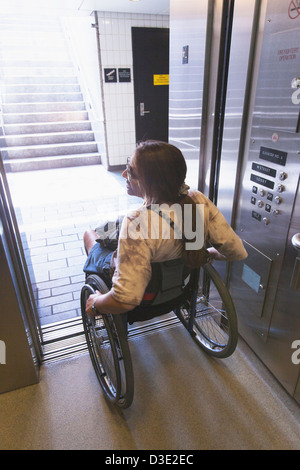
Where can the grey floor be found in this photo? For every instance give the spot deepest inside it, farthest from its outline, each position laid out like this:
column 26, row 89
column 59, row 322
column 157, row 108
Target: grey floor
column 184, row 400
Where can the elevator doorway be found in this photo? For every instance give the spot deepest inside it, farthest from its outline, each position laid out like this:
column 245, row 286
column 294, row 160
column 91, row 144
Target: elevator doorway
column 51, row 205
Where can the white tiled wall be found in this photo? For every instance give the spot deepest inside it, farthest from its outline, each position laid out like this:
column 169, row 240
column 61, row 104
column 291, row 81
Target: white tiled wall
column 116, row 52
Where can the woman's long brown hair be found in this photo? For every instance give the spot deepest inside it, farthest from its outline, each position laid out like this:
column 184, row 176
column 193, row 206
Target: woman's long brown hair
column 161, row 170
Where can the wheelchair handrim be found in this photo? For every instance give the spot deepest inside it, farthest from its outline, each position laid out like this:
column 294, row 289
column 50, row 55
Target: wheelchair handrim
column 102, row 352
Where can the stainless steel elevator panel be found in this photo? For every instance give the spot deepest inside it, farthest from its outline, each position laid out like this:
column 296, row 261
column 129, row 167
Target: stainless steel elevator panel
column 267, row 305
column 284, row 333
column 277, row 96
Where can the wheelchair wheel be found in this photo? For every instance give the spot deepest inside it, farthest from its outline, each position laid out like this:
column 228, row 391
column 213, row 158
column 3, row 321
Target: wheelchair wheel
column 212, row 321
column 108, row 347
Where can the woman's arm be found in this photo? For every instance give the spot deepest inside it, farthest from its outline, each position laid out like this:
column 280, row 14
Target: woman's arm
column 105, row 303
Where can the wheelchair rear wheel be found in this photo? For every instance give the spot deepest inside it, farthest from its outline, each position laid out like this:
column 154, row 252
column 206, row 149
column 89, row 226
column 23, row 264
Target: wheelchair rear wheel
column 212, row 321
column 108, row 347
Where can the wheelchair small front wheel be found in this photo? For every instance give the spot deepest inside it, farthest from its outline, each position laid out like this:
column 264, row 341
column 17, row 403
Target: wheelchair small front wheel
column 214, row 321
column 108, row 347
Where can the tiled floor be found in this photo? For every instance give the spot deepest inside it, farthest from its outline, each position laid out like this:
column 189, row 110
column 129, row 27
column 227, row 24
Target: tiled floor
column 53, row 209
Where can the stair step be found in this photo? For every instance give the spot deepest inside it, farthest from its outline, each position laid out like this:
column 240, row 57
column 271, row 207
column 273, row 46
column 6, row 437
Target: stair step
column 45, row 139
column 36, row 128
column 36, row 40
column 52, row 162
column 33, row 46
column 35, row 63
column 23, row 52
column 43, row 107
column 42, row 71
column 40, row 88
column 49, row 150
column 41, row 97
column 45, row 117
column 38, row 80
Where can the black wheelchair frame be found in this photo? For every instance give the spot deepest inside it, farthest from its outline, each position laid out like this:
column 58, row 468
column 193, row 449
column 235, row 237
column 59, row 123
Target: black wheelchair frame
column 198, row 298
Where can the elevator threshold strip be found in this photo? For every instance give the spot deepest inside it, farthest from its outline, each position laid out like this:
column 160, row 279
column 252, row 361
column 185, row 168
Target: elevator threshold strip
column 65, row 339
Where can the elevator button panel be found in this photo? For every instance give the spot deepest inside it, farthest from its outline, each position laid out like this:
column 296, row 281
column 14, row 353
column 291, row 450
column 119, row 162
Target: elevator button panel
column 267, row 185
column 268, row 317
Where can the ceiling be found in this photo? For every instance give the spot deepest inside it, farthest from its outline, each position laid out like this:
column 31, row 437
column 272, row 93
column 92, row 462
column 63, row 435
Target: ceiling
column 83, row 7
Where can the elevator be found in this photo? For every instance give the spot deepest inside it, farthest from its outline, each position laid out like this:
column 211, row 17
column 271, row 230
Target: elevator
column 234, row 111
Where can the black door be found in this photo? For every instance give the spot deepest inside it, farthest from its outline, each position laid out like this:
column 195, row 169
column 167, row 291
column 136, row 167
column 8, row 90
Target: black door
column 151, row 82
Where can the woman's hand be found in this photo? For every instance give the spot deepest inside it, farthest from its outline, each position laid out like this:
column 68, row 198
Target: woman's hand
column 215, row 254
column 90, row 301
column 106, row 304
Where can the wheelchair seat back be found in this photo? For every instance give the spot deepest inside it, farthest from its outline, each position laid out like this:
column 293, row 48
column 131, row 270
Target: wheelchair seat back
column 168, row 281
column 170, row 285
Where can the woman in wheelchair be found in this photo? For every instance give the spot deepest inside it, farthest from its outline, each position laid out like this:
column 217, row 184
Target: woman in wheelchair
column 154, row 233
column 149, row 265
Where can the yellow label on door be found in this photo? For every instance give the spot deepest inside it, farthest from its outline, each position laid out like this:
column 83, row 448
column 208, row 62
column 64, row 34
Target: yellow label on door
column 160, row 80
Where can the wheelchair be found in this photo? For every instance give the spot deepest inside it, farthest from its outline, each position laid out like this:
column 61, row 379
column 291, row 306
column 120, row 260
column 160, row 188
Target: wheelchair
column 200, row 300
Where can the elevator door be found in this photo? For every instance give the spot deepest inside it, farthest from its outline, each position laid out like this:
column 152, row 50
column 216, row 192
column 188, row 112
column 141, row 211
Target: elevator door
column 150, row 47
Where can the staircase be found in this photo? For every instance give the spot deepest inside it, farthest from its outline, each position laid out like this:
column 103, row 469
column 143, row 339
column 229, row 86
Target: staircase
column 45, row 123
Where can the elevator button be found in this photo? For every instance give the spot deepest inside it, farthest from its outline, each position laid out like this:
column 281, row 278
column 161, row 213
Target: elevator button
column 282, row 176
column 275, row 211
column 266, row 221
column 280, row 188
column 260, row 204
column 262, row 192
column 278, row 200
